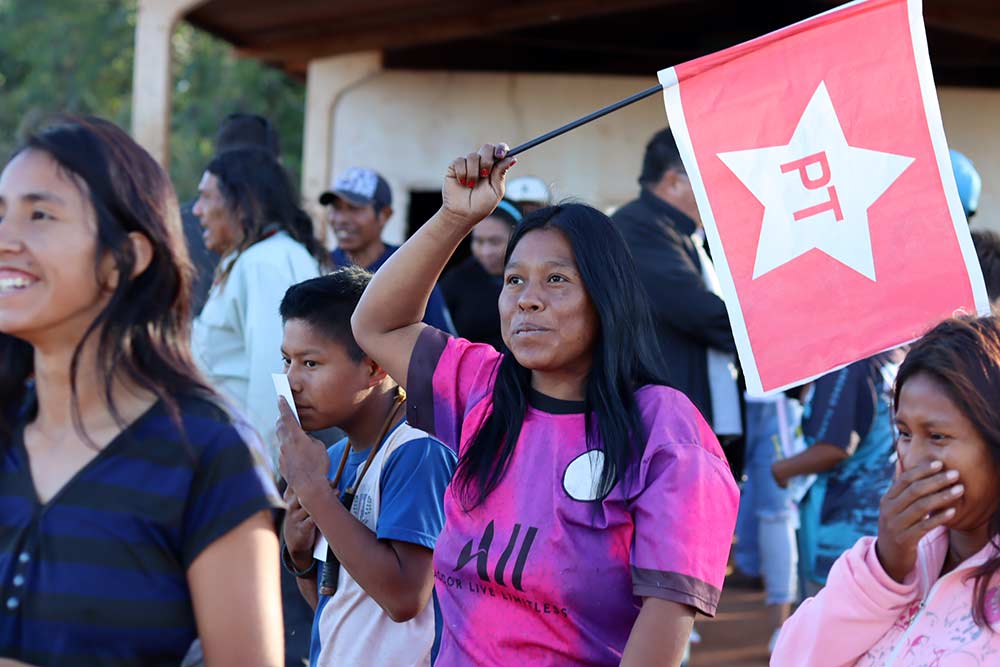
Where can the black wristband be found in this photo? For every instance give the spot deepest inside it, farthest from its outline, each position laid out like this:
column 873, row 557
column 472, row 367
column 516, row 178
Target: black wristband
column 289, row 564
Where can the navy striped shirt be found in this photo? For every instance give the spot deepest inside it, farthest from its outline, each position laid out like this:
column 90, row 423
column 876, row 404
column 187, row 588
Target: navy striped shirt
column 97, row 575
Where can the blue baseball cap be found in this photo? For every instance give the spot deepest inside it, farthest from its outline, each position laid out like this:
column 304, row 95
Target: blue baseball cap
column 360, row 186
column 970, row 185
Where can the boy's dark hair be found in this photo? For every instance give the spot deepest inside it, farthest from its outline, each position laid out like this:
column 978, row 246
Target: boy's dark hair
column 661, row 156
column 327, row 304
column 988, row 250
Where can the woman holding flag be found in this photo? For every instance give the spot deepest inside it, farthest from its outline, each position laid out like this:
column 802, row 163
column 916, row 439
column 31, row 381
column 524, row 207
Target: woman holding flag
column 592, row 510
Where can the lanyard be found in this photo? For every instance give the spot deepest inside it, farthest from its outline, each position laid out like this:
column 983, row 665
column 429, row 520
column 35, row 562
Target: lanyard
column 331, row 568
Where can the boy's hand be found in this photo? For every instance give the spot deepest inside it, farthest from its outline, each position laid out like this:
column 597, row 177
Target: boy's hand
column 920, row 500
column 474, row 184
column 303, row 460
column 299, row 531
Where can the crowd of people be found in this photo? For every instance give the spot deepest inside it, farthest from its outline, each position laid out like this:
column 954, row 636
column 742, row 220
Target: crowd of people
column 540, row 456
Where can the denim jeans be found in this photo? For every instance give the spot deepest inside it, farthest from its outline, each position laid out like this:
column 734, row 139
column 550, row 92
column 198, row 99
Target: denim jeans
column 768, row 517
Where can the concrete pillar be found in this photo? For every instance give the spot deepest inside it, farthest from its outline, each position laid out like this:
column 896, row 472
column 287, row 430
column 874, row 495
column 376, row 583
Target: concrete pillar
column 152, row 79
column 327, row 80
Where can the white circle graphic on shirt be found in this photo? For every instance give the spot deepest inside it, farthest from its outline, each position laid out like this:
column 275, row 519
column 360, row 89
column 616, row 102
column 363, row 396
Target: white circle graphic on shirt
column 582, row 479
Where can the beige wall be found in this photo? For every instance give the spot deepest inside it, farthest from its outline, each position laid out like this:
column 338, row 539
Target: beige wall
column 409, row 125
column 972, row 123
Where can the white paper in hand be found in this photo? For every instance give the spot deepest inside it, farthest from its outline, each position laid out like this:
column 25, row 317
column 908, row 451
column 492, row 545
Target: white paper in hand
column 282, row 388
column 319, row 551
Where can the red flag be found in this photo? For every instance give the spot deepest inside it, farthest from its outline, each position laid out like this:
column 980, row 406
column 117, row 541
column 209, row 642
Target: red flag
column 822, row 175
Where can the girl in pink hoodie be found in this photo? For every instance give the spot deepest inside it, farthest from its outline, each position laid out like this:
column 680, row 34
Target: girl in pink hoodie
column 925, row 592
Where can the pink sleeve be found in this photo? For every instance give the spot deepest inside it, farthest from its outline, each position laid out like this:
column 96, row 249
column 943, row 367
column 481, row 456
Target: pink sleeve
column 684, row 518
column 446, row 378
column 859, row 604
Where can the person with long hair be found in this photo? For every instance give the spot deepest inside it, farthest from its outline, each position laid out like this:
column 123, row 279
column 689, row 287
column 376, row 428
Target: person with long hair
column 252, row 218
column 592, row 509
column 926, row 590
column 236, row 130
column 135, row 516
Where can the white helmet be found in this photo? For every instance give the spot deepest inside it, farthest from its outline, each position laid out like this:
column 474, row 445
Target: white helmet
column 529, row 189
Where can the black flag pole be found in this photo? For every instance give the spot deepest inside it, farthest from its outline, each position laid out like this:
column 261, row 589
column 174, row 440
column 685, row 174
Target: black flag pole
column 586, row 119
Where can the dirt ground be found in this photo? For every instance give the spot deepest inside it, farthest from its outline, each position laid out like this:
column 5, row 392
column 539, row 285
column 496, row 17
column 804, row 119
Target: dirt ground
column 737, row 636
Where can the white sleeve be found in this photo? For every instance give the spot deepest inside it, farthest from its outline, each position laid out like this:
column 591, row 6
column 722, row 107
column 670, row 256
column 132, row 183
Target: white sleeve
column 263, row 285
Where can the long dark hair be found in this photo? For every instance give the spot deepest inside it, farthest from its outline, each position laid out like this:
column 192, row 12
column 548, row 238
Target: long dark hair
column 143, row 332
column 963, row 356
column 257, row 188
column 626, row 357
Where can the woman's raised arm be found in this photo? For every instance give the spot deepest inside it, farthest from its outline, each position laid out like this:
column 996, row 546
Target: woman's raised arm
column 387, row 321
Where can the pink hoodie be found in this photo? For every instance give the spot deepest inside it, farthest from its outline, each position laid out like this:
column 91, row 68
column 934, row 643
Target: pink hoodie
column 865, row 618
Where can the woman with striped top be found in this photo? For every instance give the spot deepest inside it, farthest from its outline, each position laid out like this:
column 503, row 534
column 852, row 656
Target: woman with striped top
column 133, row 514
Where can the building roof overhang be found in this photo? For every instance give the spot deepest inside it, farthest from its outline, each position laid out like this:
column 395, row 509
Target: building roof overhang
column 625, row 37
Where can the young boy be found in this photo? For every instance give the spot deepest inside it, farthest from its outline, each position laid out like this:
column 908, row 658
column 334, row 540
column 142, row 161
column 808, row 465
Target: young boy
column 371, row 594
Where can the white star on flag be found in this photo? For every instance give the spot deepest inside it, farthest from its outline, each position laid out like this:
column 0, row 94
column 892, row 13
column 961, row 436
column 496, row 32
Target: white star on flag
column 816, row 191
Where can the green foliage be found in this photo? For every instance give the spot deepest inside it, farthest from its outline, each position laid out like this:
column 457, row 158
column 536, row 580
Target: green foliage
column 76, row 56
column 73, row 56
column 210, row 82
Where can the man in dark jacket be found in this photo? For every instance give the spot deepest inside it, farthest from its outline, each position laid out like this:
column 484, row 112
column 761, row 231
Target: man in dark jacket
column 662, row 228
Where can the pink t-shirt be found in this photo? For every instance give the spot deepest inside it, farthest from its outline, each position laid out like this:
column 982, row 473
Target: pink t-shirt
column 543, row 573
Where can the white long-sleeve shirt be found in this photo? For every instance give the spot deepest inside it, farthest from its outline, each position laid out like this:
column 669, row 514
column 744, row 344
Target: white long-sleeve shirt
column 237, row 338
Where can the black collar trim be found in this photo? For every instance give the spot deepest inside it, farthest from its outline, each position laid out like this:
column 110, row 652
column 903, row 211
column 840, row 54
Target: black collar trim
column 555, row 406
